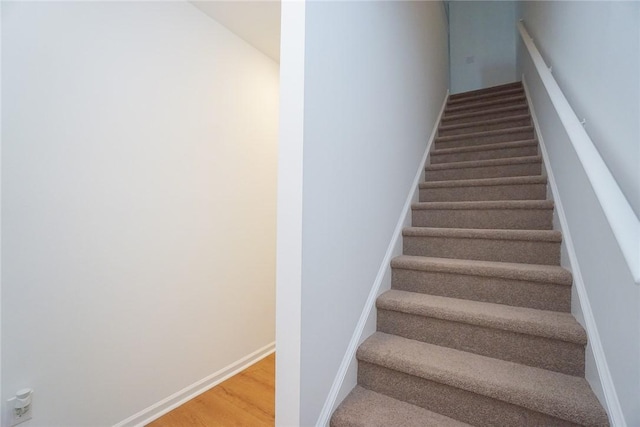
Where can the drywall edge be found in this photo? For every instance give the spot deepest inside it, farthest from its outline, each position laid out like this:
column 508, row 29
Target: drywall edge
column 289, row 213
column 1, row 403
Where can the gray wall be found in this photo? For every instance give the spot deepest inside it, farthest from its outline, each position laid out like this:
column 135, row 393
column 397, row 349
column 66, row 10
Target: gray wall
column 375, row 78
column 593, row 48
column 139, row 145
column 483, row 44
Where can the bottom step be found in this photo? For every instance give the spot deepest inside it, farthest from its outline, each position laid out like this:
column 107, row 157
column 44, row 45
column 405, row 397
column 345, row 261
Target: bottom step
column 473, row 388
column 366, row 408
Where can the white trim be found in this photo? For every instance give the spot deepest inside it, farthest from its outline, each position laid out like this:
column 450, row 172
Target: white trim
column 385, row 266
column 1, row 406
column 289, row 213
column 622, row 219
column 614, row 410
column 157, row 410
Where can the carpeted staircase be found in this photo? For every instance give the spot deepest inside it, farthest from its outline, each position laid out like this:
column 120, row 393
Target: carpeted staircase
column 477, row 327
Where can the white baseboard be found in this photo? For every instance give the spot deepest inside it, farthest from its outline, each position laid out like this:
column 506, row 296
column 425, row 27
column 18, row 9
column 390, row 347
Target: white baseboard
column 383, row 272
column 157, row 410
column 611, row 397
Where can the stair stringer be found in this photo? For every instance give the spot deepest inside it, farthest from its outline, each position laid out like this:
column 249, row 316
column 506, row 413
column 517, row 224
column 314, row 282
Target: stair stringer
column 346, row 376
column 602, row 382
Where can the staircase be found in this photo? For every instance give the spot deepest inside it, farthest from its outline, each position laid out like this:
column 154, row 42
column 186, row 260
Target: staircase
column 477, row 329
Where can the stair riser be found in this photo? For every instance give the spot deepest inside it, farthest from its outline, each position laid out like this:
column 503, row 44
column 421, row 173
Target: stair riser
column 500, row 153
column 450, row 401
column 485, row 91
column 485, row 98
column 515, row 219
column 480, row 106
column 518, row 293
column 481, row 127
column 524, row 169
column 539, row 352
column 526, row 252
column 490, row 192
column 483, row 139
column 447, row 121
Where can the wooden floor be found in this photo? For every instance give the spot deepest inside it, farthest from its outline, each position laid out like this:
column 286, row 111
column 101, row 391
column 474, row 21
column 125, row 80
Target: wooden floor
column 246, row 399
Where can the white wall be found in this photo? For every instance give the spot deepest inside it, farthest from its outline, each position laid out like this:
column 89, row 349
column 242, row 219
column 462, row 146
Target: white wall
column 375, row 76
column 483, row 44
column 138, row 204
column 604, row 61
column 594, row 49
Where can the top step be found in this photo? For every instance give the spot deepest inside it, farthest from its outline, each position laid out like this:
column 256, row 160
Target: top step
column 479, row 92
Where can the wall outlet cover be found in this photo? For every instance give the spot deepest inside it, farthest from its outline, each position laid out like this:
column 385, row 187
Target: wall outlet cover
column 11, row 416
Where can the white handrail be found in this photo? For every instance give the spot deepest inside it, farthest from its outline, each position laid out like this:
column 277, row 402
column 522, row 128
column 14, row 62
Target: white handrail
column 622, row 219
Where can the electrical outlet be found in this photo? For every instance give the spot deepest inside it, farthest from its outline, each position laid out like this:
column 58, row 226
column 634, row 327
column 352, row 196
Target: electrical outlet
column 17, row 415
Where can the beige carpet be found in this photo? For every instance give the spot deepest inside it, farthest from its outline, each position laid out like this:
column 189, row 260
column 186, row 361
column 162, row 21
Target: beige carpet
column 477, row 328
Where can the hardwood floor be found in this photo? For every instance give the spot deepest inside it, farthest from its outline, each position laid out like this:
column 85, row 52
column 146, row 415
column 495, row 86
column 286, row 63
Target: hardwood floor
column 246, row 399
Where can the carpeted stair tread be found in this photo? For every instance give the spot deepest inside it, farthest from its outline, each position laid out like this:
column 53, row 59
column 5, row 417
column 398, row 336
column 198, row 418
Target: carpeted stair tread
column 465, row 140
column 480, row 192
column 485, row 163
column 501, row 120
column 544, row 287
column 484, row 147
column 475, row 116
column 486, row 168
column 505, row 270
column 548, row 324
column 489, row 123
column 485, row 182
column 531, row 187
column 366, row 408
column 482, row 205
column 505, row 96
column 489, row 95
column 486, row 133
column 499, row 214
column 487, row 153
column 494, row 214
column 474, row 106
column 531, row 336
column 484, row 244
column 489, row 234
column 477, row 92
column 486, row 103
column 558, row 395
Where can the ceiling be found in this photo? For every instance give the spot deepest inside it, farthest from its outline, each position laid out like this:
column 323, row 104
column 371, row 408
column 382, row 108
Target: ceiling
column 257, row 22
